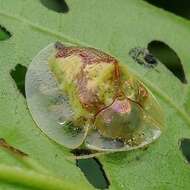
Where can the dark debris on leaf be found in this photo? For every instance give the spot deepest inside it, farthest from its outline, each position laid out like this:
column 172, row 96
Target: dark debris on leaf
column 143, row 57
column 11, row 149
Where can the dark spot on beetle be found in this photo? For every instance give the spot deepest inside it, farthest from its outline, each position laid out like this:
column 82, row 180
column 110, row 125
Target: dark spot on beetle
column 59, row 46
column 4, row 33
column 18, row 74
column 181, row 8
column 94, row 172
column 143, row 57
column 184, row 144
column 167, row 56
column 11, row 149
column 59, row 6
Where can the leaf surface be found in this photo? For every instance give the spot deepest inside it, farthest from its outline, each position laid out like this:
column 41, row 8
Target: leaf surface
column 114, row 27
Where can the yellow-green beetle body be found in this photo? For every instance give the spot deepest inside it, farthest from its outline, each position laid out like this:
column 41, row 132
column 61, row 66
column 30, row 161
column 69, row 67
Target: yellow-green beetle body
column 111, row 110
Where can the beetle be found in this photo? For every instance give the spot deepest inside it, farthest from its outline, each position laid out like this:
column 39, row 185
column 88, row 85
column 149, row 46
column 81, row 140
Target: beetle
column 84, row 97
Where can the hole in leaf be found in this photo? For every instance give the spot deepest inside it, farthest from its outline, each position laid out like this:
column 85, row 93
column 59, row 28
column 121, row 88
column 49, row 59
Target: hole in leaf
column 4, row 33
column 168, row 57
column 94, row 172
column 59, row 6
column 181, row 8
column 185, row 148
column 18, row 74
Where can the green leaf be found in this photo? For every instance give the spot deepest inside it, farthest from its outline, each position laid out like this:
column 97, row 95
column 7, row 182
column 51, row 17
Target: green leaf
column 114, row 27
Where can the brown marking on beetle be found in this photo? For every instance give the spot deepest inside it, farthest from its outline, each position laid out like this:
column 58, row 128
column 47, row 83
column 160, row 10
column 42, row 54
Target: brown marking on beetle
column 102, row 109
column 88, row 55
column 88, row 97
column 116, row 70
column 11, row 149
column 135, row 102
column 142, row 95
